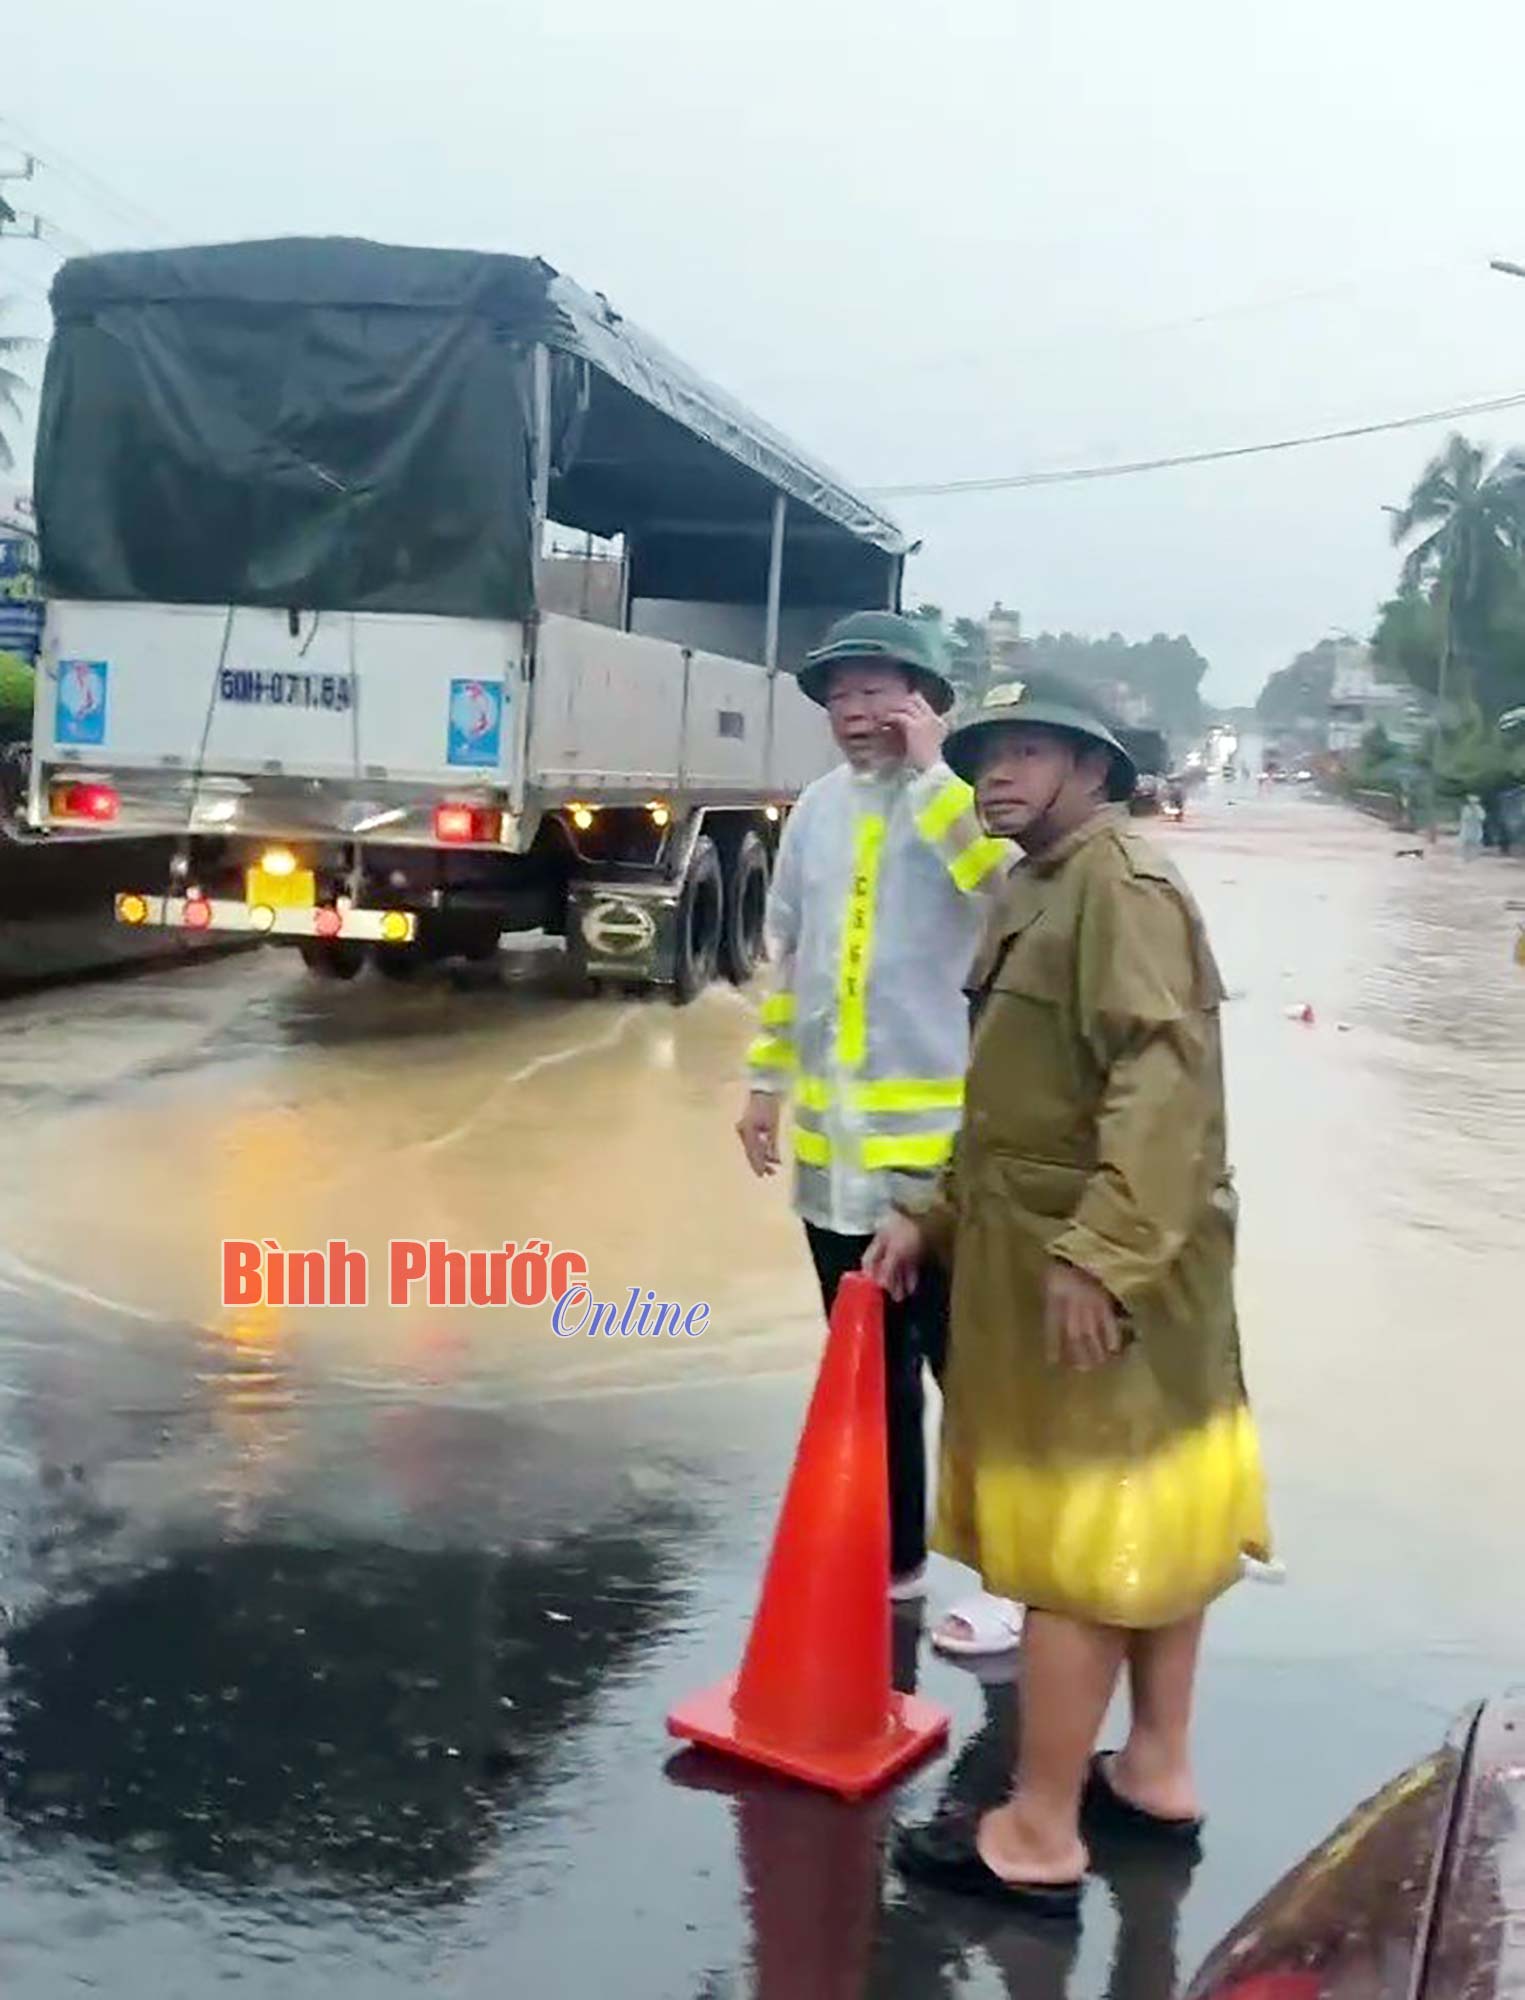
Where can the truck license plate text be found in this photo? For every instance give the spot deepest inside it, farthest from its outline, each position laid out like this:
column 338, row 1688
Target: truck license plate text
column 279, row 690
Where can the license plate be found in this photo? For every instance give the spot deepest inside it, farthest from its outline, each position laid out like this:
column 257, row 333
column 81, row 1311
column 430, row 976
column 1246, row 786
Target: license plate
column 296, row 891
column 335, row 692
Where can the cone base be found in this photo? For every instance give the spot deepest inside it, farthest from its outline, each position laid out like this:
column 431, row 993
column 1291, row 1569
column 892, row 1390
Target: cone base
column 913, row 1729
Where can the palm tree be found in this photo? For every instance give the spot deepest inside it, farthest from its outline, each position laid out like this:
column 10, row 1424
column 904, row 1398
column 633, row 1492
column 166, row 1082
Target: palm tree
column 11, row 386
column 1470, row 518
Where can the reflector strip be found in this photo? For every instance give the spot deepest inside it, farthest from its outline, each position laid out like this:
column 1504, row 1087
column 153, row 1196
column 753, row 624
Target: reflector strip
column 858, row 943
column 913, row 1151
column 768, row 1052
column 952, row 802
column 970, row 868
column 908, row 1093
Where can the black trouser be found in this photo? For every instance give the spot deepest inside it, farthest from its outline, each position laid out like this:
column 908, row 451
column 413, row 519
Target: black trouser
column 915, row 1335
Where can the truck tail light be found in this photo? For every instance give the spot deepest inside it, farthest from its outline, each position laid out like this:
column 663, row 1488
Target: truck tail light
column 198, row 914
column 84, row 799
column 326, row 923
column 459, row 825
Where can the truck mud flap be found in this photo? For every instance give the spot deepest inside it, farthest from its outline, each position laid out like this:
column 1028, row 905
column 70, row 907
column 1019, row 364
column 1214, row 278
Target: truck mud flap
column 624, row 931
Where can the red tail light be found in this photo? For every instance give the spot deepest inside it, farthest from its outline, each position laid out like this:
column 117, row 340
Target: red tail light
column 327, row 922
column 457, row 824
column 198, row 913
column 85, row 800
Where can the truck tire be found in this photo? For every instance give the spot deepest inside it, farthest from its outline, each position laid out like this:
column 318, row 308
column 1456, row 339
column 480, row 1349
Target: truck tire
column 479, row 945
column 398, row 962
column 743, row 947
column 700, row 923
column 331, row 958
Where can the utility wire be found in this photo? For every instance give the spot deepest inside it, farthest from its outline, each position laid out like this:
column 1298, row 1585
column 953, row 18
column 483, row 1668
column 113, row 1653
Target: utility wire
column 1016, row 481
column 84, row 181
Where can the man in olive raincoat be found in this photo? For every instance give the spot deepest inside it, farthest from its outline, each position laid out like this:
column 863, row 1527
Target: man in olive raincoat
column 1098, row 1458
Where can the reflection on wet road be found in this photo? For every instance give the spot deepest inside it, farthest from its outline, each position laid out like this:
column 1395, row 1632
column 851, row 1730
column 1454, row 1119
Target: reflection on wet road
column 339, row 1643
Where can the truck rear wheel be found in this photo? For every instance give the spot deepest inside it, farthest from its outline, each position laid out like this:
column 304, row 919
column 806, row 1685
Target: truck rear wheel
column 331, row 958
column 397, row 962
column 746, row 901
column 700, row 923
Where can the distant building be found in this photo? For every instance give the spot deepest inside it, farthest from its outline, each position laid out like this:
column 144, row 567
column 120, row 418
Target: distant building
column 1359, row 702
column 1005, row 648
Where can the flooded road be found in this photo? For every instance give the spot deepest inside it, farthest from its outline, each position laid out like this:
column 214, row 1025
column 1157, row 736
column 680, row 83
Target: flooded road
column 340, row 1641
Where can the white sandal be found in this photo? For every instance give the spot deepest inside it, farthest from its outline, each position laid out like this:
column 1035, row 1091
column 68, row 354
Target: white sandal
column 994, row 1626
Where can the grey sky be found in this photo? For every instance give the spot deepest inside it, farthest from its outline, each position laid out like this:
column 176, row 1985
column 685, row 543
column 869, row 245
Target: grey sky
column 932, row 242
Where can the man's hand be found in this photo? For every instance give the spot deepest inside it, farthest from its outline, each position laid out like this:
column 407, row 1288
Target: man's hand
column 922, row 729
column 892, row 1259
column 757, row 1129
column 1081, row 1327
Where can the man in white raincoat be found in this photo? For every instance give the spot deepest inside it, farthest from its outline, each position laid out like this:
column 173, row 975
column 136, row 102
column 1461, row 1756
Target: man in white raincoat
column 877, row 904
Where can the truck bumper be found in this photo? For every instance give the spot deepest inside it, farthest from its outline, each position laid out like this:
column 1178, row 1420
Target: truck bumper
column 325, row 811
column 325, row 921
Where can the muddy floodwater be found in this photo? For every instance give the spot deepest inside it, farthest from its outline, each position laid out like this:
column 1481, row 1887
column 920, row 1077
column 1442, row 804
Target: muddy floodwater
column 338, row 1642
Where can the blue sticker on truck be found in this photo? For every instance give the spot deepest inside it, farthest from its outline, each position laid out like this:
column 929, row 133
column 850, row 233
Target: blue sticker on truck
column 79, row 710
column 475, row 734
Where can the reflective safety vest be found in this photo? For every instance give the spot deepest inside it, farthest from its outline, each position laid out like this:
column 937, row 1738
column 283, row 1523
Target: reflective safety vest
column 877, row 903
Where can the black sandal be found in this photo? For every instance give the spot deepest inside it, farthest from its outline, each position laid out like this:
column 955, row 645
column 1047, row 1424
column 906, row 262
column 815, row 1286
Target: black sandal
column 1104, row 1805
column 943, row 1853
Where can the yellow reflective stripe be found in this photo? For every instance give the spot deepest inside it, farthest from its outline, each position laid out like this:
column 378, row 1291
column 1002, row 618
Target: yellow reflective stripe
column 909, row 1093
column 812, row 1093
column 952, row 802
column 970, row 868
column 907, row 1149
column 858, row 943
column 777, row 1010
column 911, row 1150
column 769, row 1052
column 890, row 1093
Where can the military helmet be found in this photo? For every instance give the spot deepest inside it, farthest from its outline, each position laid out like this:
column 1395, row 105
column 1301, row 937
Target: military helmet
column 1043, row 701
column 867, row 638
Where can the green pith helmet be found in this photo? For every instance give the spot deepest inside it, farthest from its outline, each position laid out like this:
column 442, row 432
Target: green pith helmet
column 1045, row 701
column 881, row 638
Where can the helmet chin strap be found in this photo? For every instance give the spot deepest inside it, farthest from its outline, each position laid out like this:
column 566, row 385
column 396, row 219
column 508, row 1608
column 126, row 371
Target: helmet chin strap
column 1041, row 819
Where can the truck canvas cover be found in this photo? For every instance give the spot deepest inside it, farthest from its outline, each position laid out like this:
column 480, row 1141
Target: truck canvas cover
column 329, row 423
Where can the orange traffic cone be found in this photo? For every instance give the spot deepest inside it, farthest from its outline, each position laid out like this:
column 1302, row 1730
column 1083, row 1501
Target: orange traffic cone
column 813, row 1698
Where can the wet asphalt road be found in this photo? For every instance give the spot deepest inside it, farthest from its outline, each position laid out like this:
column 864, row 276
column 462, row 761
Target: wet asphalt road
column 339, row 1642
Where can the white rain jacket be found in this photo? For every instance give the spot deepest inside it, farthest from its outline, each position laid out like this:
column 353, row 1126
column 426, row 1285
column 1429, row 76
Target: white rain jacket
column 877, row 903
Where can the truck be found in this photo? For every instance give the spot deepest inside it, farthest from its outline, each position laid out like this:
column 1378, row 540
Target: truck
column 420, row 597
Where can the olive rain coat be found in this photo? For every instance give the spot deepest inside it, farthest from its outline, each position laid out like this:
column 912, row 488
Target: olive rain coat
column 1094, row 1132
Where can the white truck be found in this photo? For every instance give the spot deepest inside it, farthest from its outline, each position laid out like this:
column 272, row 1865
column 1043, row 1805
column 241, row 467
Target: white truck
column 303, row 511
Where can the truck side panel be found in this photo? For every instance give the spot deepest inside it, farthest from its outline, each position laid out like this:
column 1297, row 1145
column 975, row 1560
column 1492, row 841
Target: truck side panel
column 801, row 743
column 134, row 687
column 616, row 716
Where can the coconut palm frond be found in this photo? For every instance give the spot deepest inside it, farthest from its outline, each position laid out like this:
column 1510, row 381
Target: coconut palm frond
column 1422, row 561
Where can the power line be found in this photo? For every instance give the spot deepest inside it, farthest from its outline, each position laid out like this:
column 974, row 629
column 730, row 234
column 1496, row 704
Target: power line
column 84, row 180
column 1015, row 481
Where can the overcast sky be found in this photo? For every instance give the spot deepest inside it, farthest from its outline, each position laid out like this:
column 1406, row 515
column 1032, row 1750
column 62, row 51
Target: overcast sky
column 931, row 242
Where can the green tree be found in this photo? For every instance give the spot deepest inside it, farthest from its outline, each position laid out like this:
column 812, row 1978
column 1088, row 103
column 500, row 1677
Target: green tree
column 12, row 384
column 1409, row 640
column 1164, row 672
column 964, row 645
column 1464, row 523
column 1299, row 691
